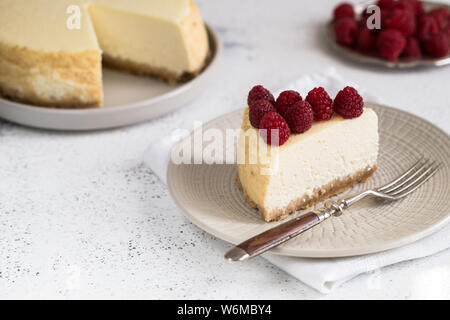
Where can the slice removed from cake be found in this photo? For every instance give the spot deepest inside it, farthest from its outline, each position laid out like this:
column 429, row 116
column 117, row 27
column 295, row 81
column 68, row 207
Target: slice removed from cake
column 327, row 159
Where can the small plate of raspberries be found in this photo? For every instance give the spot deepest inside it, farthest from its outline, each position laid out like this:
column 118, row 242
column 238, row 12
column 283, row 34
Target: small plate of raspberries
column 398, row 34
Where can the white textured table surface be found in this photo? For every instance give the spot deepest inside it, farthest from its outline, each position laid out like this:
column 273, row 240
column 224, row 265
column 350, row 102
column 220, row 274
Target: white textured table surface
column 81, row 217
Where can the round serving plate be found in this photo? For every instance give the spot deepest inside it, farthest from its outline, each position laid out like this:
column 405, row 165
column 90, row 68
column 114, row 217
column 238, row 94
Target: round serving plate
column 355, row 56
column 209, row 197
column 128, row 100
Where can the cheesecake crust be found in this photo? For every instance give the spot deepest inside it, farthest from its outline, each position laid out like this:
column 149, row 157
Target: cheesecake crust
column 319, row 194
column 142, row 69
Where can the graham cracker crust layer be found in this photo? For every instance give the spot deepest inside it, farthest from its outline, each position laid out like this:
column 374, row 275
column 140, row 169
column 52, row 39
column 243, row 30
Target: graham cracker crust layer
column 319, row 194
column 142, row 69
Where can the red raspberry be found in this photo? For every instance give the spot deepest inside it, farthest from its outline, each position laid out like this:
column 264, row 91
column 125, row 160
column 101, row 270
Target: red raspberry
column 345, row 30
column 300, row 117
column 269, row 123
column 385, row 16
column 386, row 9
column 437, row 46
column 419, row 7
column 427, row 27
column 259, row 92
column 258, row 109
column 390, row 44
column 321, row 103
column 386, row 4
column 412, row 49
column 344, row 10
column 415, row 6
column 348, row 103
column 286, row 99
column 364, row 16
column 366, row 40
column 442, row 16
column 403, row 21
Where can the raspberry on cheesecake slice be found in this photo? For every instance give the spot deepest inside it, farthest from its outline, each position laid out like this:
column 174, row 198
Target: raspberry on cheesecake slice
column 309, row 160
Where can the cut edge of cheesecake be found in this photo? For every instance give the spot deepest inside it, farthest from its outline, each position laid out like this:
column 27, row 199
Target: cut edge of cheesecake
column 305, row 201
column 195, row 37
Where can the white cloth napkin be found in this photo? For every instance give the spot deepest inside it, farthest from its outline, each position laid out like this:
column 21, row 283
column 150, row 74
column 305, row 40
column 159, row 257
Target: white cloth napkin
column 323, row 275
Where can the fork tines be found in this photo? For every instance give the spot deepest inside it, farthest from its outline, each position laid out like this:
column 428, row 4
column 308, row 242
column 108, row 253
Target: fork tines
column 412, row 179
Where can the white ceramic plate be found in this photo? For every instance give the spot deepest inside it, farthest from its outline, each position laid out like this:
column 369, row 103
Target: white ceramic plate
column 209, row 197
column 129, row 99
column 355, row 56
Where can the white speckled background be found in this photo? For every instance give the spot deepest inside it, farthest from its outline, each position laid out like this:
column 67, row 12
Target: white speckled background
column 81, row 217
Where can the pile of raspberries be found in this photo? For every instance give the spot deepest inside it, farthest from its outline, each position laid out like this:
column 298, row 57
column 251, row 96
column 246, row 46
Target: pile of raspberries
column 289, row 113
column 407, row 31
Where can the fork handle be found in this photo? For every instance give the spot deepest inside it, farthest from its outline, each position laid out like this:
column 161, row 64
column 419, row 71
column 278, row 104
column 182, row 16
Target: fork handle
column 281, row 233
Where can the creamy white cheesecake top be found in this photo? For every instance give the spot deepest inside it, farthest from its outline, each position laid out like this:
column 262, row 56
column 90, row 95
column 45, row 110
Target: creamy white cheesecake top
column 36, row 24
column 42, row 26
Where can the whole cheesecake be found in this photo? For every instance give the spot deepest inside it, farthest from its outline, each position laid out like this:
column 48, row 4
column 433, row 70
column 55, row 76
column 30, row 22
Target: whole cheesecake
column 46, row 62
column 330, row 157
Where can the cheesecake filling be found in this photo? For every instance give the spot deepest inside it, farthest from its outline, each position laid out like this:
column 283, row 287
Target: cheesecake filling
column 332, row 155
column 307, row 200
column 144, row 43
column 167, row 39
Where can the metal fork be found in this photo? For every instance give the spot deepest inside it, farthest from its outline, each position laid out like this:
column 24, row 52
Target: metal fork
column 405, row 184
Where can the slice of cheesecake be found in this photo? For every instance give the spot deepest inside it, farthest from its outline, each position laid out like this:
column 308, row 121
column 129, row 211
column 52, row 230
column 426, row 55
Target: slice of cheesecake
column 327, row 159
column 47, row 60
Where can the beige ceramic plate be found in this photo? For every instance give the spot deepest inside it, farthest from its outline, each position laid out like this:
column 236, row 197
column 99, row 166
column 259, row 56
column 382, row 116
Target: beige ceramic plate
column 208, row 196
column 129, row 99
